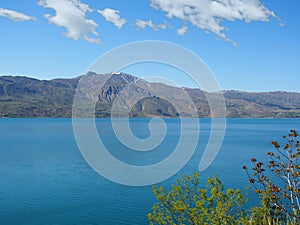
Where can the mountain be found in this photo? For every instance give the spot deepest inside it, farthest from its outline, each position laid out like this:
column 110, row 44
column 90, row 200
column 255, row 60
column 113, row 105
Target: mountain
column 126, row 94
column 27, row 97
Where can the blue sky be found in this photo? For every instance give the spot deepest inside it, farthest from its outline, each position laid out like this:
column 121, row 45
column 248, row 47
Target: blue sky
column 250, row 45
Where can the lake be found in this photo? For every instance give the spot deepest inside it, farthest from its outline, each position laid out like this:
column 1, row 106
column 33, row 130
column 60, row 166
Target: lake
column 45, row 180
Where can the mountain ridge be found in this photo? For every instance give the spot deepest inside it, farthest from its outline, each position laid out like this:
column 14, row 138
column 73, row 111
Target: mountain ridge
column 22, row 96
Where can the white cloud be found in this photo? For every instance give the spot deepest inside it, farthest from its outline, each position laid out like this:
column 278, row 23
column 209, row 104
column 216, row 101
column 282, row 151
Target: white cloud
column 113, row 16
column 14, row 15
column 181, row 31
column 141, row 24
column 209, row 14
column 71, row 14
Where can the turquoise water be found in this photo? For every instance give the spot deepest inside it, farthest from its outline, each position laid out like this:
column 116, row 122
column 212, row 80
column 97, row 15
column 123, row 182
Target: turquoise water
column 45, row 180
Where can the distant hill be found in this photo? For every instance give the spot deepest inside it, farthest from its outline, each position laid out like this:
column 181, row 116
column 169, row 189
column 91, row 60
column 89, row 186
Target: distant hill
column 28, row 97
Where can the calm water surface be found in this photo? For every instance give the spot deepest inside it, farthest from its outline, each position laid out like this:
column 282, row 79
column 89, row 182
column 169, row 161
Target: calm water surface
column 44, row 179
